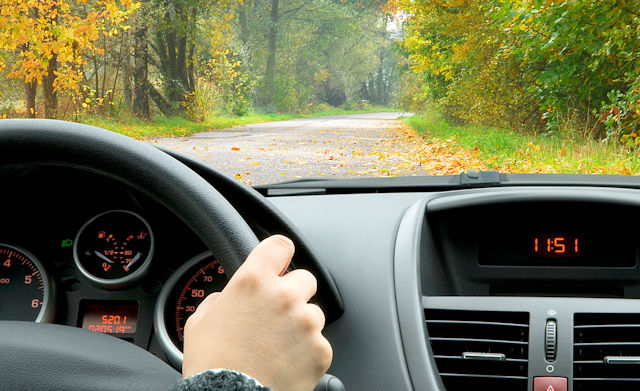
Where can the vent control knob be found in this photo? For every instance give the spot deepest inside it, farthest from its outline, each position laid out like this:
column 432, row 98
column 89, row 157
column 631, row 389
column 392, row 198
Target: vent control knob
column 551, row 340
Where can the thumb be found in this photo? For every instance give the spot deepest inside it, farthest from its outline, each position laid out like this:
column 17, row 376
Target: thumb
column 271, row 256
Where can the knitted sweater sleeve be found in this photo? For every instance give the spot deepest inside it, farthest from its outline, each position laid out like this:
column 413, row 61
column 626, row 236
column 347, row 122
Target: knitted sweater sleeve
column 219, row 380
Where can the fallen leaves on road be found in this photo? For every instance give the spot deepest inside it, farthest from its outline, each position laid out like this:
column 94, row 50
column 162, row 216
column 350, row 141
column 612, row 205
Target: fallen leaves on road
column 401, row 151
column 392, row 149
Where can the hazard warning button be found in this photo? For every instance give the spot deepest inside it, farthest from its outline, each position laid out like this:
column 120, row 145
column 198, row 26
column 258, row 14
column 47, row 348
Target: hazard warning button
column 549, row 384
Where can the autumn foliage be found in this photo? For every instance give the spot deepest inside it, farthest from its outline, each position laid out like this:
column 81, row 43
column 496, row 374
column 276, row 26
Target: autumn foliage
column 45, row 42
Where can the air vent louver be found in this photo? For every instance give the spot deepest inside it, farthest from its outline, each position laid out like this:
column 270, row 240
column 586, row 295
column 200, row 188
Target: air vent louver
column 481, row 350
column 606, row 352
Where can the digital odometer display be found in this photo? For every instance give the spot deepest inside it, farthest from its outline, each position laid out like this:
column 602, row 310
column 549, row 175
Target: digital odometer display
column 110, row 317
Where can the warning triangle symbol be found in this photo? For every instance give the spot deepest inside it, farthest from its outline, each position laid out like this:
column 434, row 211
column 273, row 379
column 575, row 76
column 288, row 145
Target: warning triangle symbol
column 550, row 388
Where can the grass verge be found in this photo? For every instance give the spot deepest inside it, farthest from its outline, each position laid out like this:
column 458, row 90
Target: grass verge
column 179, row 127
column 509, row 151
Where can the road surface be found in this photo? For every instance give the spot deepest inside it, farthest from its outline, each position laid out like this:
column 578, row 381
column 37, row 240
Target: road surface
column 333, row 146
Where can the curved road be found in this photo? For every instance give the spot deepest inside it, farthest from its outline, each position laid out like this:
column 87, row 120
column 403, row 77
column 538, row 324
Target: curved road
column 336, row 146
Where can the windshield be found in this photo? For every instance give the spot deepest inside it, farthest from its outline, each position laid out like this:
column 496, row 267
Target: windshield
column 273, row 90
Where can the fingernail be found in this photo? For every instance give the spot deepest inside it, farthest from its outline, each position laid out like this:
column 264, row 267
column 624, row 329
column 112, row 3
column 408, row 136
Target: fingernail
column 284, row 239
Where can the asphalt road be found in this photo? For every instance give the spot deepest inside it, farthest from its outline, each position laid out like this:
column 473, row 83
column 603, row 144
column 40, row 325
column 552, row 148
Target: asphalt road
column 332, row 146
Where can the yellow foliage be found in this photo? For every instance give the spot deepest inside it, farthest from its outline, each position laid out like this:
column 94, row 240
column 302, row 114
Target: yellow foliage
column 52, row 30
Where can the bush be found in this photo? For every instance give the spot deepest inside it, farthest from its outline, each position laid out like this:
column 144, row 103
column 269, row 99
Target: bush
column 622, row 115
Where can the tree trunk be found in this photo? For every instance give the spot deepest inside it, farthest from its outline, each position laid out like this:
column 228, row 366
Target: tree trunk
column 30, row 90
column 140, row 70
column 244, row 23
column 48, row 81
column 164, row 106
column 50, row 93
column 127, row 79
column 270, row 72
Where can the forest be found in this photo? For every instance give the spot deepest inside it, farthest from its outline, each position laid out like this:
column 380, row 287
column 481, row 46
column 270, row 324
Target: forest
column 71, row 59
column 530, row 65
column 530, row 85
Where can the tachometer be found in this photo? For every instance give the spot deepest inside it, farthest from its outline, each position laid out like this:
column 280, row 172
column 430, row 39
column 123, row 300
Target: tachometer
column 25, row 291
column 114, row 248
column 179, row 298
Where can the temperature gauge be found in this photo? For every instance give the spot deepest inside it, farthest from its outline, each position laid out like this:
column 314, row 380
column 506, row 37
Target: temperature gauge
column 114, row 248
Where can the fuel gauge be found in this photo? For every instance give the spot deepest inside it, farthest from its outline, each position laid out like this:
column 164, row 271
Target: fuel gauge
column 114, row 248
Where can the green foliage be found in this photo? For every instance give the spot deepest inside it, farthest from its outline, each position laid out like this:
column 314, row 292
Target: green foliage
column 527, row 64
column 623, row 115
column 325, row 51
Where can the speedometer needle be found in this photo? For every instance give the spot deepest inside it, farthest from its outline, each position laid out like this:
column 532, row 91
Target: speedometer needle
column 134, row 260
column 101, row 256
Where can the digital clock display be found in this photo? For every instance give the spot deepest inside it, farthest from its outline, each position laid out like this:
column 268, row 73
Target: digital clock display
column 552, row 234
column 110, row 317
column 565, row 246
column 556, row 246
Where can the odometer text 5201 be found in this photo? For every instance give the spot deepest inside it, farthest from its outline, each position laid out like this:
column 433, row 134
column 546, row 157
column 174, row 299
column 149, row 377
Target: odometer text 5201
column 179, row 298
column 25, row 290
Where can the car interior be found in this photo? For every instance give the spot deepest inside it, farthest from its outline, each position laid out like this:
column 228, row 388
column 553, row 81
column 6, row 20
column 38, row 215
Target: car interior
column 482, row 280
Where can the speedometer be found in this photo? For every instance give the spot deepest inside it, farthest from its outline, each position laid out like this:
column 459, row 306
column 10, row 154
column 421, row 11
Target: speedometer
column 179, row 298
column 25, row 291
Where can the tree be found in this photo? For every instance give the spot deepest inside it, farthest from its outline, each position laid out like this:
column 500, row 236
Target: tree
column 528, row 64
column 51, row 40
column 310, row 52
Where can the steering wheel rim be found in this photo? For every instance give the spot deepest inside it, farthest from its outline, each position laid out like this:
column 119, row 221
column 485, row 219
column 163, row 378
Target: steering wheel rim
column 141, row 166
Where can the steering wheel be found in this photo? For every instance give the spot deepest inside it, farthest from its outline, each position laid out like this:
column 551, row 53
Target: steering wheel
column 54, row 357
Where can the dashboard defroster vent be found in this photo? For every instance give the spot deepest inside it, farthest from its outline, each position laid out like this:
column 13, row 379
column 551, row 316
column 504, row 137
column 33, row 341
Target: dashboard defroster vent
column 606, row 352
column 481, row 350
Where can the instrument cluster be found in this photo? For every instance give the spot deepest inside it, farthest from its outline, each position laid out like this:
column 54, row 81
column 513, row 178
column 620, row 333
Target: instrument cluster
column 120, row 264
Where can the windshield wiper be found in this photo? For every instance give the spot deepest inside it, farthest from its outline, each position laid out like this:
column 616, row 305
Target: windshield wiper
column 309, row 186
column 468, row 179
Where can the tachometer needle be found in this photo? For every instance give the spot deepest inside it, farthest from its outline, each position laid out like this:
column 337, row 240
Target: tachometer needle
column 134, row 260
column 101, row 256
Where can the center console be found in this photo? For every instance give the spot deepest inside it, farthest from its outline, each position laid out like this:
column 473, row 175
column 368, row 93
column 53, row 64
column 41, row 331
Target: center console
column 521, row 289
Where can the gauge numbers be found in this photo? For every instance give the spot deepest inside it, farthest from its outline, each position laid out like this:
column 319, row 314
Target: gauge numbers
column 24, row 288
column 181, row 296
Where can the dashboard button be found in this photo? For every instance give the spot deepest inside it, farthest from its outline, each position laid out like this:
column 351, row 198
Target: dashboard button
column 549, row 383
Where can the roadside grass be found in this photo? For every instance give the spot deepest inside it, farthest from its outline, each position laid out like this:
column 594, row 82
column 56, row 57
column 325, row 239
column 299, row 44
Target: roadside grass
column 177, row 126
column 514, row 152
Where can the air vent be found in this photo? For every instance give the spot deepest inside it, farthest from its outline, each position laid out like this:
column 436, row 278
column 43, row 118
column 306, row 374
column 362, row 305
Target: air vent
column 606, row 352
column 480, row 350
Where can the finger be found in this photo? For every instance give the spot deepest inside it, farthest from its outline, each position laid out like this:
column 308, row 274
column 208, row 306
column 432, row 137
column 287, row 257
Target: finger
column 271, row 256
column 302, row 281
column 208, row 301
column 318, row 315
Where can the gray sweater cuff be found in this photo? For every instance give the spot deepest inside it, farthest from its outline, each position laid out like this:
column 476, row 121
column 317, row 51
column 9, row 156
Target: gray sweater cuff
column 219, row 380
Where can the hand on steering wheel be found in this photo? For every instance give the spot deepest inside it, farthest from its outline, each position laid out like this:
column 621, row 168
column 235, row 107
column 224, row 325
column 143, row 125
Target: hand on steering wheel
column 261, row 324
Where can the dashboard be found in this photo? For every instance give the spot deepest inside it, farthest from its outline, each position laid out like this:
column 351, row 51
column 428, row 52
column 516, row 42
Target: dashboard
column 506, row 288
column 86, row 251
column 83, row 250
